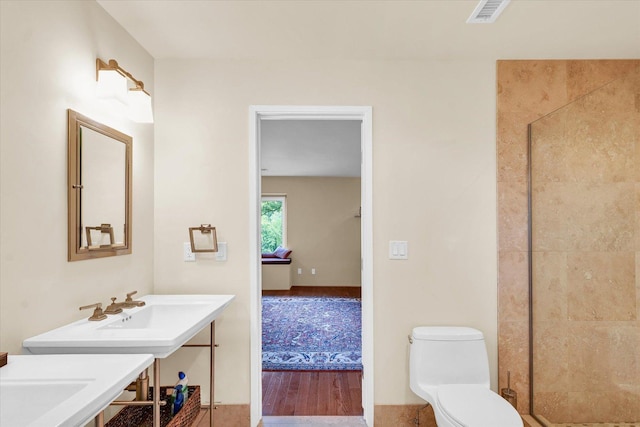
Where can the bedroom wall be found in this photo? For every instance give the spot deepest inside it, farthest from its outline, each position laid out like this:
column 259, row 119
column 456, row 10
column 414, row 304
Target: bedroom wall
column 49, row 52
column 322, row 229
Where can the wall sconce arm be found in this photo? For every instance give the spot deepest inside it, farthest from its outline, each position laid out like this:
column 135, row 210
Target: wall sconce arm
column 113, row 65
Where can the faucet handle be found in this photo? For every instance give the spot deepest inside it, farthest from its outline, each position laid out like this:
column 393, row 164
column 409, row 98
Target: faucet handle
column 97, row 313
column 131, row 303
column 113, row 308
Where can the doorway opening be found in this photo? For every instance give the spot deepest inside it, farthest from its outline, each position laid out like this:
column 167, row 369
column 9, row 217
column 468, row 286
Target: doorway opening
column 259, row 115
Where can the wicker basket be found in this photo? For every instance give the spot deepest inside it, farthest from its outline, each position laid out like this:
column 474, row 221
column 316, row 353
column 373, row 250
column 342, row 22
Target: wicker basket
column 142, row 416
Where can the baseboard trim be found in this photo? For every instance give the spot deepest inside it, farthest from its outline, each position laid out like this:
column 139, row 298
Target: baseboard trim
column 230, row 415
column 403, row 416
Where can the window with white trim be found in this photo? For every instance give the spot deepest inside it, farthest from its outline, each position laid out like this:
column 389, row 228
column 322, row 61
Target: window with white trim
column 273, row 222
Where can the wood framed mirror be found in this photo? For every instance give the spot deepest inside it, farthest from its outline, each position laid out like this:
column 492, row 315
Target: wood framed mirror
column 99, row 189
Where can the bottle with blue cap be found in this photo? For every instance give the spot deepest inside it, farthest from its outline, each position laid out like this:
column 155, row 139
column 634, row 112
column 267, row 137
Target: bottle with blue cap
column 180, row 393
column 178, row 401
column 183, row 381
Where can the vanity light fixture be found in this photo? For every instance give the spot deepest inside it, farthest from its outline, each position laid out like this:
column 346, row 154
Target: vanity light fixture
column 113, row 84
column 140, row 106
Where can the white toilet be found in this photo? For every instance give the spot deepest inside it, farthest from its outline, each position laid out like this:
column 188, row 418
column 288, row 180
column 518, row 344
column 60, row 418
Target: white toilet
column 449, row 369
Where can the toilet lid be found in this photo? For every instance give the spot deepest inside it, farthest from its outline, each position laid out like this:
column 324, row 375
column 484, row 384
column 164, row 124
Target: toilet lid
column 477, row 406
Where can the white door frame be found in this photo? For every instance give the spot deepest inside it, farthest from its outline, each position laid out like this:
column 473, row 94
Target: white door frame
column 257, row 113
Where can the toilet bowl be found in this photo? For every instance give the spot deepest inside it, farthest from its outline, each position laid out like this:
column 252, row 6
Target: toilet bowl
column 449, row 369
column 473, row 405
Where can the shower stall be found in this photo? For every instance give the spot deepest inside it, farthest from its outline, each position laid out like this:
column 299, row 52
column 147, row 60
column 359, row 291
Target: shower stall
column 584, row 266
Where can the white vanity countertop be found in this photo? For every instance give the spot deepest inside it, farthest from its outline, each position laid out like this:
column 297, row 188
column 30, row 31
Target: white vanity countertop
column 63, row 389
column 160, row 327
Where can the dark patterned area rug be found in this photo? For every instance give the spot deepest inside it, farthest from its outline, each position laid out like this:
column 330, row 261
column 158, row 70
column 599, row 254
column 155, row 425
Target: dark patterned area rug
column 311, row 333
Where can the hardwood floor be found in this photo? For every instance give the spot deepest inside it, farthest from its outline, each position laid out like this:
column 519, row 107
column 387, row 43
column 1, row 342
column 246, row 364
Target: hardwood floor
column 328, row 393
column 312, row 393
column 202, row 420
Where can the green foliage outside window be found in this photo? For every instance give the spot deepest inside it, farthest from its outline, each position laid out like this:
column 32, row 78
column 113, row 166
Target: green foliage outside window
column 271, row 223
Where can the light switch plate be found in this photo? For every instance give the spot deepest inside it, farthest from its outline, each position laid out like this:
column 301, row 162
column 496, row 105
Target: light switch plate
column 398, row 249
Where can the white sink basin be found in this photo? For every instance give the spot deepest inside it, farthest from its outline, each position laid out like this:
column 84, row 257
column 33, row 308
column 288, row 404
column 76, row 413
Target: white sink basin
column 158, row 316
column 63, row 390
column 160, row 327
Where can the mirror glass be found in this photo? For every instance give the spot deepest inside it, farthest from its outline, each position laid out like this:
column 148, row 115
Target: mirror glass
column 99, row 189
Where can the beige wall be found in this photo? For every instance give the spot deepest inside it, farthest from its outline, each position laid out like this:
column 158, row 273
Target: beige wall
column 48, row 52
column 433, row 185
column 322, row 229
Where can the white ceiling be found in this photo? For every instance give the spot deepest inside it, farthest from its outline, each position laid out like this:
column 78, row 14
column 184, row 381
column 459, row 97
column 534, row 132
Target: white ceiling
column 382, row 29
column 370, row 30
column 310, row 147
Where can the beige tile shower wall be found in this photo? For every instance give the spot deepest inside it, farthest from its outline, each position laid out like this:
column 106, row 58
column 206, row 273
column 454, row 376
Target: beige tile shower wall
column 584, row 218
column 528, row 90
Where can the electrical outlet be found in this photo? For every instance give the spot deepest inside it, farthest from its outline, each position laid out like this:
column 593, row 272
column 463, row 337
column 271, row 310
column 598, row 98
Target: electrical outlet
column 299, row 271
column 221, row 255
column 188, row 255
column 313, row 271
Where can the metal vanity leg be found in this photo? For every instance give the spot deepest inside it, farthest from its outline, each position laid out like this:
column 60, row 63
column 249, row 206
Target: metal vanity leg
column 156, row 393
column 142, row 386
column 99, row 420
column 211, row 371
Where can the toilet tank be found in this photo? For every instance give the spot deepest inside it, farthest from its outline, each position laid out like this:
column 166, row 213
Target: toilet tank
column 447, row 355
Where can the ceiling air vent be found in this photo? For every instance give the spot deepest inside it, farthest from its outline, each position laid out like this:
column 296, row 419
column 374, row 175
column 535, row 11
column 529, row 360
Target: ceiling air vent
column 487, row 11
